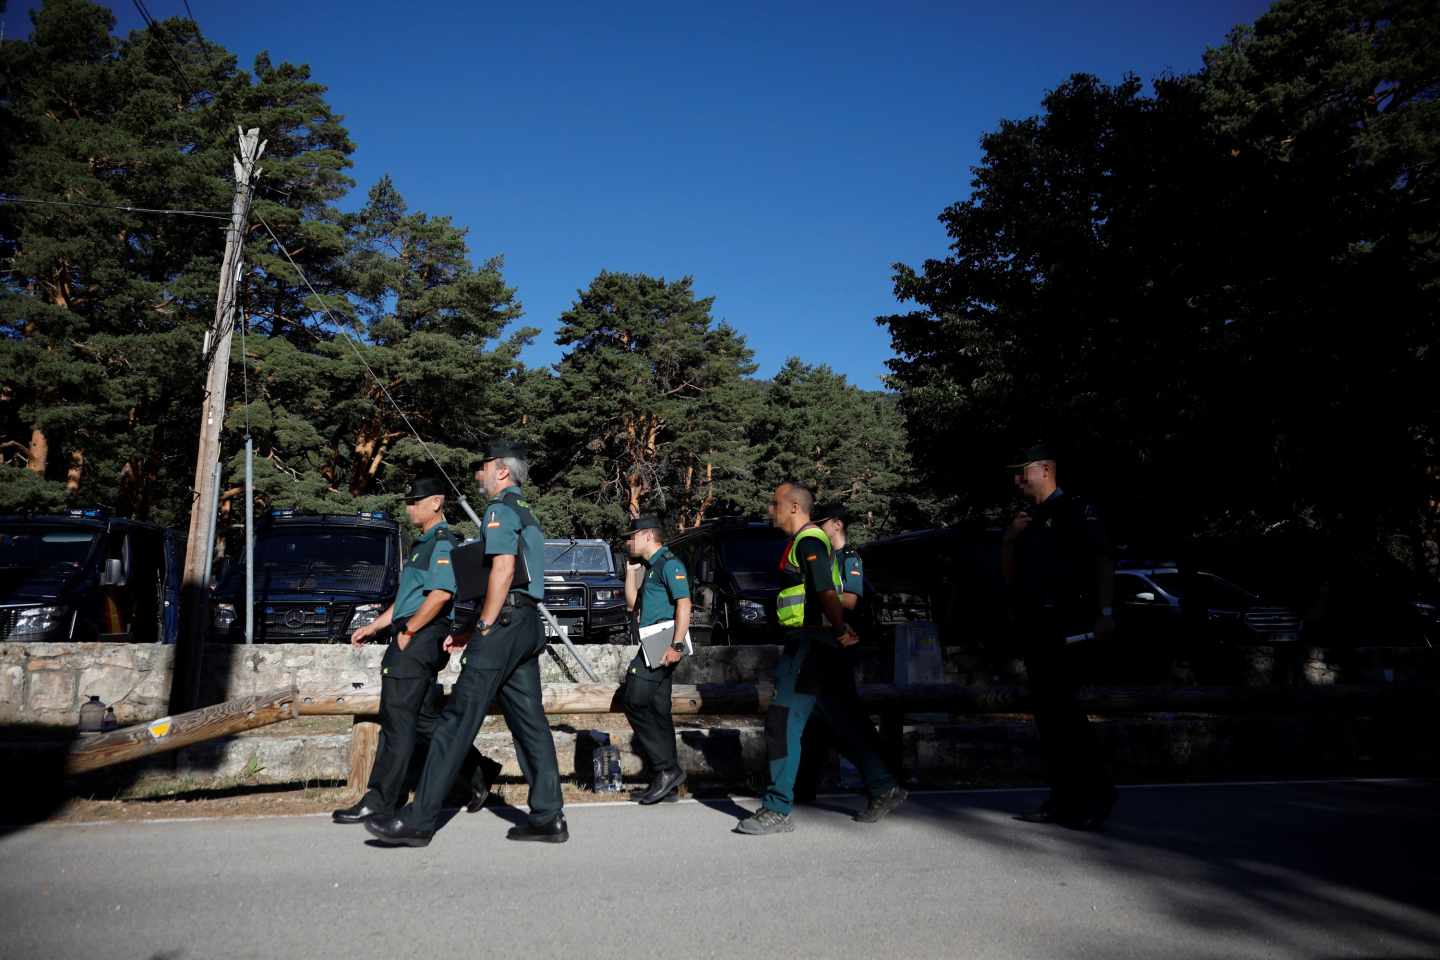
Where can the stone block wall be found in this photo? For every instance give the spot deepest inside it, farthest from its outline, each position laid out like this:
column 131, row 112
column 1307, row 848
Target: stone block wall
column 44, row 684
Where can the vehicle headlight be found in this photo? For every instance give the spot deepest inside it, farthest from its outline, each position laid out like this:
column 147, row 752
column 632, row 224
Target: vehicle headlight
column 363, row 616
column 33, row 620
column 222, row 616
column 607, row 595
column 751, row 611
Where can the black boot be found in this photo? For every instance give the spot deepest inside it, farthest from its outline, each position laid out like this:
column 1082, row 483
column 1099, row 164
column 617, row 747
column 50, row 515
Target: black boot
column 358, row 813
column 394, row 832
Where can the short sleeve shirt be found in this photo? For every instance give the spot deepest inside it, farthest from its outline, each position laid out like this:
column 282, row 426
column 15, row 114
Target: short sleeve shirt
column 852, row 571
column 506, row 533
column 427, row 567
column 666, row 583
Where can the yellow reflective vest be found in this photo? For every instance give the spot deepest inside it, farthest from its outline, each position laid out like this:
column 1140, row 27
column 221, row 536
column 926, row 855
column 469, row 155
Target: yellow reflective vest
column 790, row 603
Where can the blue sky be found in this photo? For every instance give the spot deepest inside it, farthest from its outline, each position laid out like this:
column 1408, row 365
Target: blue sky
column 784, row 155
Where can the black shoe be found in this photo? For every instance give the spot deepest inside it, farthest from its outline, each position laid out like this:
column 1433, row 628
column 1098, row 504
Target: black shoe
column 393, row 832
column 485, row 778
column 1093, row 817
column 1047, row 812
column 664, row 785
column 553, row 832
column 358, row 813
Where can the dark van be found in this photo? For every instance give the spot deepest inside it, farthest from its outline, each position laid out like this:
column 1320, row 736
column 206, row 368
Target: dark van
column 734, row 566
column 83, row 576
column 317, row 578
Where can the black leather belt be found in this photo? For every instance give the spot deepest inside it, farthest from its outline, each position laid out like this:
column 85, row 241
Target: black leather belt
column 516, row 599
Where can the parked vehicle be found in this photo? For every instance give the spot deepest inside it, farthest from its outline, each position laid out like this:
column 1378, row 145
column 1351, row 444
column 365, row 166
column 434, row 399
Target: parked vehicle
column 317, row 578
column 734, row 566
column 1155, row 599
column 84, row 576
column 583, row 590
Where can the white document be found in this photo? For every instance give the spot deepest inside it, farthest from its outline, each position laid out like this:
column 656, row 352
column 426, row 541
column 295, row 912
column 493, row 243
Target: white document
column 656, row 639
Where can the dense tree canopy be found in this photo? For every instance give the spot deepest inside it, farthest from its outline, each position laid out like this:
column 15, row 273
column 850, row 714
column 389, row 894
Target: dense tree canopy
column 1220, row 292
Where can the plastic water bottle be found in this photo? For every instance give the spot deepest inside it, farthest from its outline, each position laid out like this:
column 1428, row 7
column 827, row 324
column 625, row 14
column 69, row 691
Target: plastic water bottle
column 600, row 758
column 92, row 715
column 612, row 767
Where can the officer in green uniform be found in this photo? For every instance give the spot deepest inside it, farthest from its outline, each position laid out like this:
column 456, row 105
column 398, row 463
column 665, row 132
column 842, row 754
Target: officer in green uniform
column 501, row 660
column 662, row 595
column 837, row 666
column 418, row 620
column 808, row 608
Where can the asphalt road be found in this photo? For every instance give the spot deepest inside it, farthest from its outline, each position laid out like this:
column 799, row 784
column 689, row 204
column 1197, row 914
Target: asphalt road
column 1319, row 869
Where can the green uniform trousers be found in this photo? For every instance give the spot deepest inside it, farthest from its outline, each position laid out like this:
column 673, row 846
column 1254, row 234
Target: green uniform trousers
column 799, row 691
column 647, row 705
column 503, row 665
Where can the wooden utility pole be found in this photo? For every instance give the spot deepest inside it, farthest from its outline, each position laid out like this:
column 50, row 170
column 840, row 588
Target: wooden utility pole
column 205, row 497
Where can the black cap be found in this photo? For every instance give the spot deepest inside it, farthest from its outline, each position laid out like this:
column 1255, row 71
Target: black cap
column 830, row 511
column 422, row 487
column 500, row 450
column 1041, row 451
column 644, row 523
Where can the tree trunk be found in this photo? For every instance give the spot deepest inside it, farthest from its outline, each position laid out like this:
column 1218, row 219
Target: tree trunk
column 39, row 451
column 76, row 472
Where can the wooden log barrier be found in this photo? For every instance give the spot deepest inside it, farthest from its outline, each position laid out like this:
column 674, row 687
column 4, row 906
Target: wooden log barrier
column 741, row 699
column 754, row 698
column 92, row 751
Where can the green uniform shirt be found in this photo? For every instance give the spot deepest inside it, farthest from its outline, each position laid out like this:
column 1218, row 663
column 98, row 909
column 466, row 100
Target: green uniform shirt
column 506, row 533
column 427, row 568
column 666, row 584
column 852, row 571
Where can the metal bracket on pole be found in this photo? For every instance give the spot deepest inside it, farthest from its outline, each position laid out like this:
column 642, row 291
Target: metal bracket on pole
column 544, row 611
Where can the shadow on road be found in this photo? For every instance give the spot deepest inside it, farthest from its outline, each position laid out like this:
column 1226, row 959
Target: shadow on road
column 1355, row 855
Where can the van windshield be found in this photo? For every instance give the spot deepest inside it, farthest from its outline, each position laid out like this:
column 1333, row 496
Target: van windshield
column 754, row 558
column 44, row 548
column 565, row 556
column 304, row 559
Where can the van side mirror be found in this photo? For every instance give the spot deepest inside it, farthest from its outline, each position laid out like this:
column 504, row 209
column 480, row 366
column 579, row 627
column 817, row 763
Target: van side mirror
column 1146, row 597
column 113, row 573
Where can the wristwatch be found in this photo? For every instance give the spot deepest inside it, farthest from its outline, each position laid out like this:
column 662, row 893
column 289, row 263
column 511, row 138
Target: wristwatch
column 678, row 646
column 481, row 626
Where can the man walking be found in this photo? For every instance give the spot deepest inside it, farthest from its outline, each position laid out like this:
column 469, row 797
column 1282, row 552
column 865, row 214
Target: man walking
column 663, row 595
column 501, row 659
column 808, row 608
column 419, row 620
column 1057, row 563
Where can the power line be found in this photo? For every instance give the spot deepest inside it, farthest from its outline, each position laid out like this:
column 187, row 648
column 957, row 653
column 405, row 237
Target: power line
column 361, row 357
column 208, row 214
column 154, row 27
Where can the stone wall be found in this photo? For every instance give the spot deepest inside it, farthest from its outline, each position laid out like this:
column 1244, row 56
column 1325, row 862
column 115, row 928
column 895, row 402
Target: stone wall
column 43, row 684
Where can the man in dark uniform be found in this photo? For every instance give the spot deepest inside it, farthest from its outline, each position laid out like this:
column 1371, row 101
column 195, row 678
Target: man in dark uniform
column 808, row 608
column 663, row 594
column 501, row 659
column 419, row 621
column 837, row 666
column 1057, row 564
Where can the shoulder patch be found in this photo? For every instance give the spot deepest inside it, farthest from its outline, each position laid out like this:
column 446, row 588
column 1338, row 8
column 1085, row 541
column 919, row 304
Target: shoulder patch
column 679, row 576
column 441, row 562
column 811, row 556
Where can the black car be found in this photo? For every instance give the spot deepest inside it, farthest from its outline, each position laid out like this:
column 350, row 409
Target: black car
column 84, row 576
column 583, row 590
column 734, row 566
column 317, row 578
column 1165, row 601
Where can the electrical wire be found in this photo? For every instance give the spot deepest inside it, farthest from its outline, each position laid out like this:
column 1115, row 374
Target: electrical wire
column 361, row 357
column 209, row 214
